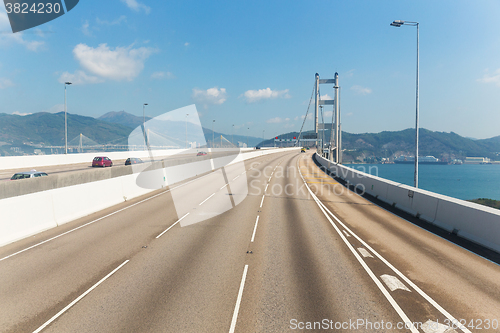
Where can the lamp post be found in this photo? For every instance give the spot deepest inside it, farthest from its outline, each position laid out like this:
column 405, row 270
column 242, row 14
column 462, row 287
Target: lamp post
column 144, row 122
column 399, row 23
column 248, row 130
column 187, row 114
column 263, row 131
column 65, row 120
column 213, row 134
column 232, row 136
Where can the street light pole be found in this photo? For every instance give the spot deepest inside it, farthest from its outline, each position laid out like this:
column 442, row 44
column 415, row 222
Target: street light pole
column 144, row 122
column 399, row 23
column 248, row 130
column 65, row 120
column 187, row 114
column 213, row 134
column 232, row 136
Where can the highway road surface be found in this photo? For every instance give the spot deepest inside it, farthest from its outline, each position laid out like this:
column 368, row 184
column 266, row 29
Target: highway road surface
column 299, row 253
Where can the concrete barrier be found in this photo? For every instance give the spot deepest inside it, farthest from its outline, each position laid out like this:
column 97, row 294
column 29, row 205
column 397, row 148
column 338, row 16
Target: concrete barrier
column 61, row 198
column 477, row 223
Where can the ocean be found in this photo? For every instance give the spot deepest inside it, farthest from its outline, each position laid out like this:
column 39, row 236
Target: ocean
column 466, row 181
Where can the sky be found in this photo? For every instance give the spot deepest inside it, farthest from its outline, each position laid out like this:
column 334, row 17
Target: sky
column 251, row 64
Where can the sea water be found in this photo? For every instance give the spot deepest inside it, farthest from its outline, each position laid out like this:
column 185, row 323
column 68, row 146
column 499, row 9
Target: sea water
column 466, row 181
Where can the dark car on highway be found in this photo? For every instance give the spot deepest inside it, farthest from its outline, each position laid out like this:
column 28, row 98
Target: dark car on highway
column 133, row 160
column 28, row 174
column 102, row 161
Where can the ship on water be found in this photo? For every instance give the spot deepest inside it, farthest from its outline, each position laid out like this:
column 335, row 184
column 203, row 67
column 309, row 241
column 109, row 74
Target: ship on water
column 421, row 160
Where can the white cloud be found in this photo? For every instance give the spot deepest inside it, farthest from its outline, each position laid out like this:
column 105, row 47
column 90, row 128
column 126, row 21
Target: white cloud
column 325, row 97
column 85, row 28
column 275, row 120
column 253, row 96
column 361, row 90
column 20, row 114
column 137, row 6
column 119, row 20
column 5, row 83
column 17, row 37
column 162, row 75
column 213, row 96
column 186, row 44
column 79, row 77
column 491, row 78
column 122, row 63
column 55, row 109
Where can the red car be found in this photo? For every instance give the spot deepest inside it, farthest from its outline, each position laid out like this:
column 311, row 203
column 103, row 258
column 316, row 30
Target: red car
column 201, row 153
column 102, row 161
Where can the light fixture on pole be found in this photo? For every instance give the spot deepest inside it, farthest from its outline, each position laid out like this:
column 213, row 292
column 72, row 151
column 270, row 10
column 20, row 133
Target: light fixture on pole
column 399, row 23
column 65, row 119
column 144, row 122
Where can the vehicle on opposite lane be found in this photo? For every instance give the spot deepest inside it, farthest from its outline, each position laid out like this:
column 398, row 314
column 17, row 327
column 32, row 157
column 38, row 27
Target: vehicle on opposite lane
column 28, row 174
column 133, row 160
column 102, row 161
column 201, row 153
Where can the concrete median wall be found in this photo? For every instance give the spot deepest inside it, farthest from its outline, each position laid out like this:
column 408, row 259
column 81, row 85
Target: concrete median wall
column 48, row 202
column 477, row 223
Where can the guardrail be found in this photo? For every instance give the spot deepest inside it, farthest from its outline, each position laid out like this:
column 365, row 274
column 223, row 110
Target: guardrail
column 477, row 223
column 64, row 197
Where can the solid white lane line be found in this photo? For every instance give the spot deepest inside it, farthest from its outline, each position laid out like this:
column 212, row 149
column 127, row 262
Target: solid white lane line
column 238, row 301
column 370, row 273
column 262, row 201
column 223, row 187
column 79, row 298
column 364, row 253
column 393, row 282
column 172, row 226
column 404, row 278
column 255, row 228
column 266, row 188
column 395, row 270
column 206, row 199
column 236, row 177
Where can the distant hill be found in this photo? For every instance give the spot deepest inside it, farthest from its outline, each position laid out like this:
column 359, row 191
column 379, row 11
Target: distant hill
column 388, row 144
column 123, row 118
column 23, row 134
column 48, row 129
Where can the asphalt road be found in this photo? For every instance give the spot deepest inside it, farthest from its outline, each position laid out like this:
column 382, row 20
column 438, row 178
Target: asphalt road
column 250, row 249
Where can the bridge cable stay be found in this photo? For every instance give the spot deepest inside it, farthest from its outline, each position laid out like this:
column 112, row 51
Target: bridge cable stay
column 305, row 118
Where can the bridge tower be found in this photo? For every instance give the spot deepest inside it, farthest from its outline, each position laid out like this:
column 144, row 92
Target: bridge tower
column 336, row 135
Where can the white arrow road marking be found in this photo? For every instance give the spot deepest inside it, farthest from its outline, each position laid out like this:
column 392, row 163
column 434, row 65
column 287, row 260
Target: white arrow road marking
column 346, row 233
column 434, row 327
column 364, row 253
column 393, row 282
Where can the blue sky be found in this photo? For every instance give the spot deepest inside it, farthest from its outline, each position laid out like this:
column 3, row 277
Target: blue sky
column 252, row 63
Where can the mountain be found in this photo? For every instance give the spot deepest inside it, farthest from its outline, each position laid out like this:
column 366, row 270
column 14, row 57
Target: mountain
column 373, row 146
column 23, row 134
column 123, row 118
column 47, row 129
